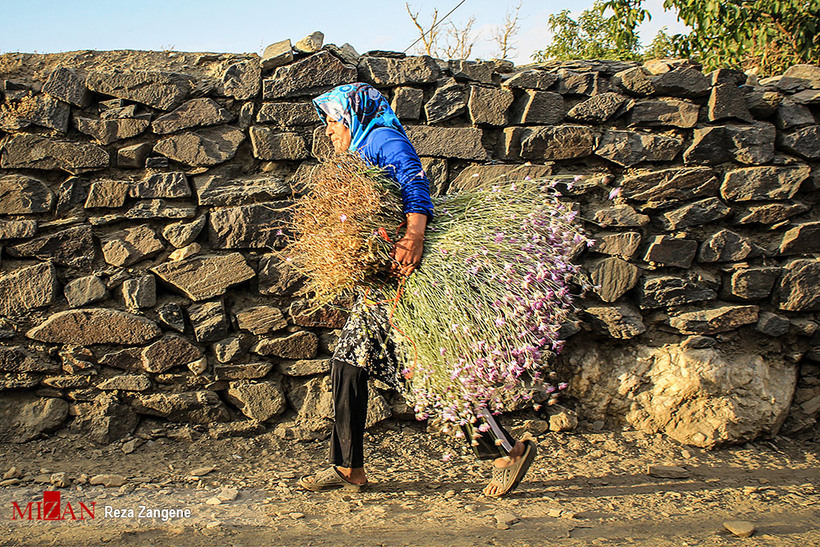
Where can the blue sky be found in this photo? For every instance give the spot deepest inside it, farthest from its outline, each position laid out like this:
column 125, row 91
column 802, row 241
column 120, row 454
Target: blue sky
column 239, row 26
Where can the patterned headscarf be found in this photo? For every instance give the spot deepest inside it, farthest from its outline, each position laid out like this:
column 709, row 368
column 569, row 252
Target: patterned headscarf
column 360, row 107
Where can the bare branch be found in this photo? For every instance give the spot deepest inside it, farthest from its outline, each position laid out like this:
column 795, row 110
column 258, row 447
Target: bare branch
column 503, row 35
column 460, row 41
column 429, row 38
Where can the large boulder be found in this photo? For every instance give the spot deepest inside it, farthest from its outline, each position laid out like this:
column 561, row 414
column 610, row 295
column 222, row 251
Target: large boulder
column 28, row 288
column 95, row 326
column 24, row 416
column 203, row 277
column 161, row 90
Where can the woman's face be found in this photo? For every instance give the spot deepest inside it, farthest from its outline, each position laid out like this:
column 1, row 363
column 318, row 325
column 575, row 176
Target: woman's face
column 339, row 134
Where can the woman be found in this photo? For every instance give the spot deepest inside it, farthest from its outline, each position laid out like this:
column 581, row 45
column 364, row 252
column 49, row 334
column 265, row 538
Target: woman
column 359, row 119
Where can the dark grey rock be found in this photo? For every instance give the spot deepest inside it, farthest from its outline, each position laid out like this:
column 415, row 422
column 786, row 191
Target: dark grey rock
column 260, row 401
column 148, row 210
column 69, row 194
column 557, row 143
column 308, row 77
column 261, row 319
column 384, row 71
column 694, row 214
column 803, row 238
column 215, row 189
column 140, row 292
column 68, row 86
column 42, row 110
column 407, row 102
column 242, row 80
column 753, row 283
column 22, row 195
column 108, row 131
column 671, row 251
column 131, row 245
column 161, row 90
column 18, row 359
column 171, row 316
column 134, row 156
column 804, row 142
column 304, row 315
column 799, row 286
column 531, row 79
column 762, row 183
column 489, row 105
column 769, row 213
column 322, row 148
column 204, row 147
column 277, row 277
column 580, row 83
column 85, row 290
column 194, row 113
column 107, row 194
column 246, row 115
column 634, row 81
column 599, row 108
column 726, row 76
column 762, row 102
column 255, row 226
column 621, row 321
column 664, row 113
column 17, row 229
column 299, row 345
column 472, row 71
column 169, row 351
column 70, row 247
column 95, row 326
column 809, row 97
column 628, row 148
column 287, row 114
column 772, row 324
column 728, row 101
column 156, row 162
column 209, row 321
column 613, row 277
column 448, row 101
column 202, row 407
column 664, row 291
column 128, row 359
column 269, row 144
column 449, row 142
column 681, row 82
column 538, row 107
column 277, row 54
column 791, row 114
column 622, row 216
column 622, row 244
column 714, row 320
column 161, row 185
column 724, row 246
column 750, row 144
column 26, row 288
column 204, row 277
column 437, row 172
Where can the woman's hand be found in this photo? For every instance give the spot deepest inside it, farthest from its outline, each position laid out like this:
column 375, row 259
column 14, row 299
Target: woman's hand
column 408, row 250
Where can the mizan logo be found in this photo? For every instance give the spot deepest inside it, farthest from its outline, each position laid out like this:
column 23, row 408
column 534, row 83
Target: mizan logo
column 51, row 509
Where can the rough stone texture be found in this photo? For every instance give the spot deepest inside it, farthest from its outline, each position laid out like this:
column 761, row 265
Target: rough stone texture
column 622, row 244
column 681, row 82
column 161, row 90
column 450, row 142
column 579, row 83
column 68, row 86
column 697, row 213
column 621, row 321
column 17, row 229
column 385, row 71
column 18, row 359
column 95, row 326
column 312, row 401
column 799, row 286
column 331, row 318
column 305, row 367
column 231, row 349
column 668, row 186
column 167, row 352
column 308, row 77
column 671, row 251
column 472, row 71
column 531, row 79
column 26, row 151
column 753, row 283
column 804, row 142
column 42, row 110
column 106, row 194
column 489, row 105
column 622, row 216
column 288, row 114
column 105, row 418
column 27, row 288
column 126, row 382
column 664, row 112
column 703, row 397
column 803, row 238
column 209, row 321
column 203, row 277
column 259, row 401
column 140, row 292
column 205, row 147
column 310, row 43
column 24, row 417
column 726, row 101
column 250, row 371
column 612, row 277
column 194, row 113
column 201, row 407
column 628, row 148
column 269, row 144
column 561, row 142
column 790, row 114
column 634, row 81
column 22, row 195
column 663, row 291
column 261, row 319
column 161, row 185
column 448, row 101
column 724, row 246
column 131, row 245
column 71, row 247
column 222, row 190
column 263, row 225
column 772, row 324
column 714, row 320
column 767, row 182
column 538, row 107
column 108, row 131
column 182, row 234
column 749, row 144
column 84, row 290
column 599, row 108
column 407, row 102
column 473, row 175
column 134, row 156
column 299, row 345
column 277, row 278
column 769, row 213
column 242, row 80
column 277, row 54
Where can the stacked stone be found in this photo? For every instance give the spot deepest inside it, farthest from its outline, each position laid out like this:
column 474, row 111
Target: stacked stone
column 142, row 209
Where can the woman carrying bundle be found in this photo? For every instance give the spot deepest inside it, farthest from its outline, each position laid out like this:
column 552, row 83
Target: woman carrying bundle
column 359, row 119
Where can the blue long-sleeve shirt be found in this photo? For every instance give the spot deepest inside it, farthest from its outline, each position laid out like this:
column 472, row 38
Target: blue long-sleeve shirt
column 389, row 149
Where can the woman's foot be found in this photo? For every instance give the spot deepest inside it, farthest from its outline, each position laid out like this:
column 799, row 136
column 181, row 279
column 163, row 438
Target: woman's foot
column 334, row 478
column 353, row 475
column 494, row 489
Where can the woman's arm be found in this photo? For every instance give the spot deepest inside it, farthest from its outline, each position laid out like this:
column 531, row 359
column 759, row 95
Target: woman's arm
column 408, row 250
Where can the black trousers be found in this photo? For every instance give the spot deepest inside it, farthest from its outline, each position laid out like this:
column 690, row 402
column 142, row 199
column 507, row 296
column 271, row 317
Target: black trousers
column 489, row 440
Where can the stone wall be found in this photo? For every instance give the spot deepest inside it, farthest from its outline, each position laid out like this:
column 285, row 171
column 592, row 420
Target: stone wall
column 142, row 195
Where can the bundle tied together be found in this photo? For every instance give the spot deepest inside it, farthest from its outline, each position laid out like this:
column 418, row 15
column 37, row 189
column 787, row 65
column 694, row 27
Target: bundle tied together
column 478, row 320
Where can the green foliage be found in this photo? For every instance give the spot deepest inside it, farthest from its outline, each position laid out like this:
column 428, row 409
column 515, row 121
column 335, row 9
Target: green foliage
column 592, row 36
column 662, row 47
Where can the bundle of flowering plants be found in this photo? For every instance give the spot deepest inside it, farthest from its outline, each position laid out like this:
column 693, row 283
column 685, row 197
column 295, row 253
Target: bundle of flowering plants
column 475, row 322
